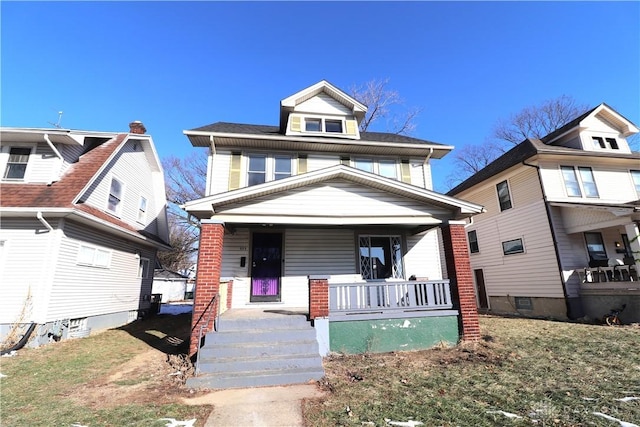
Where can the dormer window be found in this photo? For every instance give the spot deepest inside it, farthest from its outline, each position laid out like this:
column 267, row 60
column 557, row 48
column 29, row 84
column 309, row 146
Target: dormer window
column 604, row 143
column 333, row 126
column 315, row 124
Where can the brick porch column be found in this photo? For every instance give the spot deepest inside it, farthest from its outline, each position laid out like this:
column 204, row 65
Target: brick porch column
column 459, row 269
column 318, row 296
column 207, row 279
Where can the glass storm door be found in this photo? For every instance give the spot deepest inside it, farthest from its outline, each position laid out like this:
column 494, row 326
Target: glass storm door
column 266, row 267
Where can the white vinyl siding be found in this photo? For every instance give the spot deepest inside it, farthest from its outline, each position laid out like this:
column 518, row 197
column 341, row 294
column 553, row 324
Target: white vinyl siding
column 131, row 167
column 424, row 257
column 80, row 291
column 322, row 104
column 319, row 252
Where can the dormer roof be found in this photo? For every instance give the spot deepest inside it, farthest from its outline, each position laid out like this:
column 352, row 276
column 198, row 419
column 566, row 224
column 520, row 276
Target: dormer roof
column 289, row 104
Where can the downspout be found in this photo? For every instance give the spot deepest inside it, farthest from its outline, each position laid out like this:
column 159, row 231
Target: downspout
column 22, row 342
column 54, row 149
column 43, row 221
column 424, row 169
column 555, row 240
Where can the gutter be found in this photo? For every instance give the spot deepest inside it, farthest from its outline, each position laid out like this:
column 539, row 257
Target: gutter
column 43, row 221
column 54, row 149
column 554, row 238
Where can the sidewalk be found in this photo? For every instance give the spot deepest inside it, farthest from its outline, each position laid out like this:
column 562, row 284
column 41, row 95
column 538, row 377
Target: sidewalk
column 263, row 406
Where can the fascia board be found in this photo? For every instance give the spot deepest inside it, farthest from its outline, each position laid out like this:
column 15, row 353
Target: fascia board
column 292, row 101
column 328, row 220
column 311, row 139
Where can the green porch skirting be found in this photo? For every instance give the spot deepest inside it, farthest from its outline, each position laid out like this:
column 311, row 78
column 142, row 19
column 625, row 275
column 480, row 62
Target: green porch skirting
column 384, row 335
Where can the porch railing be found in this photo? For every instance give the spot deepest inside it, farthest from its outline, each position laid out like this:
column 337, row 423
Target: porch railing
column 393, row 299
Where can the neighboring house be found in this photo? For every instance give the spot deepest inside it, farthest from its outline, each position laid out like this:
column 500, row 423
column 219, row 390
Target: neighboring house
column 561, row 212
column 172, row 286
column 83, row 215
column 311, row 213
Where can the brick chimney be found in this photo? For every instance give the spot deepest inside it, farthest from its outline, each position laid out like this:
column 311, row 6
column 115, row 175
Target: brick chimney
column 137, row 127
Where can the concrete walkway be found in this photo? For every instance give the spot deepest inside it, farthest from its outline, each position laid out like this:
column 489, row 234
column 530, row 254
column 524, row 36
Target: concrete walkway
column 262, row 406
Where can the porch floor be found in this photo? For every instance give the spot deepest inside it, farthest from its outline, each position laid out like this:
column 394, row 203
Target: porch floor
column 263, row 313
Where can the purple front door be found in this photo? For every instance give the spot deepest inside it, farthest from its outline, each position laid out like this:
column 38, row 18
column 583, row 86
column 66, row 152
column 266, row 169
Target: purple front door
column 266, row 267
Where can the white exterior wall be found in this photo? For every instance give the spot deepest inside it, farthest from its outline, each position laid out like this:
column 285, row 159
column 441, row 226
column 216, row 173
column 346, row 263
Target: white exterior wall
column 322, row 104
column 423, row 258
column 131, row 167
column 28, row 255
column 82, row 291
column 614, row 183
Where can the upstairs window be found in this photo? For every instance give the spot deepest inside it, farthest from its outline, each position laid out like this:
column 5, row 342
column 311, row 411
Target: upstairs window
column 313, row 125
column 142, row 210
column 17, row 163
column 473, row 242
column 635, row 176
column 322, row 125
column 504, row 197
column 387, row 168
column 333, row 126
column 262, row 168
column 579, row 181
column 115, row 196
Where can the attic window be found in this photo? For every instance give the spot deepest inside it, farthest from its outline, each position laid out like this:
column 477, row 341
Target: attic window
column 605, row 143
column 313, row 125
column 17, row 164
column 316, row 124
column 333, row 126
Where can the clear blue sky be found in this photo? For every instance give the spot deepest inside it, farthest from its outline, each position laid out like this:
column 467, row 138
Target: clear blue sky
column 181, row 65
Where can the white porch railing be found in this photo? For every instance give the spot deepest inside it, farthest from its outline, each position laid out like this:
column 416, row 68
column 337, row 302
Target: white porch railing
column 390, row 299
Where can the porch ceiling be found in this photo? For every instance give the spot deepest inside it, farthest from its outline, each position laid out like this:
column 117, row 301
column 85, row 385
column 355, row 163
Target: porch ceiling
column 581, row 217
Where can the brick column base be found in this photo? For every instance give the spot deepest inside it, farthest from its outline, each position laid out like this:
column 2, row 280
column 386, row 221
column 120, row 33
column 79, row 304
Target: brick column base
column 318, row 297
column 462, row 289
column 207, row 281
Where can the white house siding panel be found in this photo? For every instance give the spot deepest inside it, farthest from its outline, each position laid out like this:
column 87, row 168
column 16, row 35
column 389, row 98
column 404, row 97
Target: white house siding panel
column 82, row 291
column 131, row 167
column 418, row 175
column 316, row 162
column 572, row 252
column 322, row 104
column 236, row 246
column 26, row 256
column 220, row 169
column 335, row 198
column 614, row 184
column 319, row 252
column 44, row 165
column 423, row 258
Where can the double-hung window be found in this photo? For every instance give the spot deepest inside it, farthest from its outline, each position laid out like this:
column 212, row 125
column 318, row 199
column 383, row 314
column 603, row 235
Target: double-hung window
column 605, row 143
column 473, row 242
column 93, row 256
column 263, row 167
column 386, row 168
column 504, row 197
column 323, row 125
column 635, row 176
column 116, row 192
column 380, row 257
column 17, row 163
column 578, row 181
column 142, row 210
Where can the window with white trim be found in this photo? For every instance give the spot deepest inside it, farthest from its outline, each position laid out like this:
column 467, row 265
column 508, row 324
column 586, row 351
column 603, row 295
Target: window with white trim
column 635, row 176
column 380, row 257
column 504, row 197
column 323, row 125
column 604, row 143
column 17, row 164
column 116, row 191
column 93, row 256
column 266, row 167
column 578, row 181
column 142, row 210
column 143, row 268
column 383, row 167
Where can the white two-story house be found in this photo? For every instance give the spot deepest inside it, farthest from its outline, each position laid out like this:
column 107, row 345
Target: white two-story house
column 313, row 198
column 82, row 217
column 559, row 237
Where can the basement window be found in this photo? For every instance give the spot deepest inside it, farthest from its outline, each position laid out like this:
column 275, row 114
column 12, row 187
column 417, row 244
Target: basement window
column 524, row 303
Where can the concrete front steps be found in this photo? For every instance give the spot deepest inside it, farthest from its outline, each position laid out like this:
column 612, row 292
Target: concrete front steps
column 257, row 348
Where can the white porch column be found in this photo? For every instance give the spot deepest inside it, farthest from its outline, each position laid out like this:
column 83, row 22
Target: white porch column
column 633, row 233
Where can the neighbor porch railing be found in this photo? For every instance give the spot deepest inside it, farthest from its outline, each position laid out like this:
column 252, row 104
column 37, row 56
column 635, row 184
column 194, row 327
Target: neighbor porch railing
column 393, row 299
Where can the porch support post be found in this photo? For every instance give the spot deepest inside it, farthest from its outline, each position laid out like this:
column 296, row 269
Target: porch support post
column 318, row 296
column 633, row 234
column 207, row 280
column 459, row 269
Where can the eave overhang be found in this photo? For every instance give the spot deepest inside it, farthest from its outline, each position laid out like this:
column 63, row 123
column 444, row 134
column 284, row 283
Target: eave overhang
column 219, row 140
column 209, row 206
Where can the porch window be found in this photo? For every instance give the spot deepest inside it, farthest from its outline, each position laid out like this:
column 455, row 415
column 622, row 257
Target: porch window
column 473, row 242
column 17, row 163
column 635, row 176
column 595, row 246
column 381, row 257
column 504, row 197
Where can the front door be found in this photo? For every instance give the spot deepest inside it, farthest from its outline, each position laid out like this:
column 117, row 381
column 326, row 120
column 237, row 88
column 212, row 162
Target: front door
column 266, row 267
column 483, row 303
